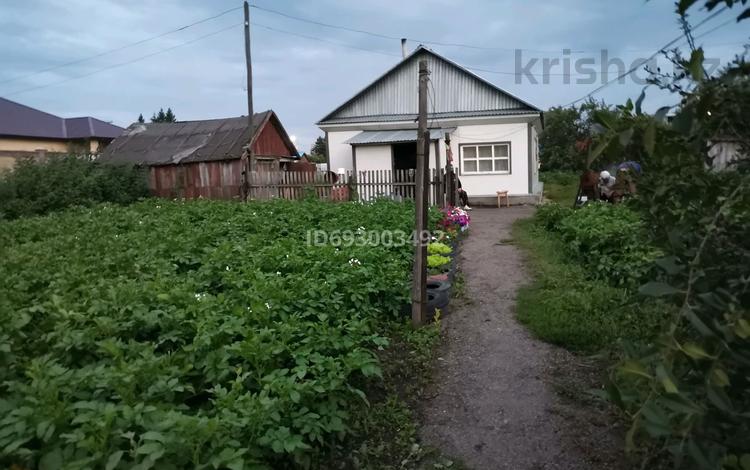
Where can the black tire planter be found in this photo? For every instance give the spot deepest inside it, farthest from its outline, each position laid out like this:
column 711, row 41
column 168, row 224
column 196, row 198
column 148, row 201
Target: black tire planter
column 438, row 286
column 436, row 301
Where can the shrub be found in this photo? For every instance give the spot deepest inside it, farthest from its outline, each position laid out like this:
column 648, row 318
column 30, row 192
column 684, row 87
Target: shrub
column 549, row 216
column 690, row 391
column 563, row 178
column 566, row 306
column 35, row 188
column 610, row 242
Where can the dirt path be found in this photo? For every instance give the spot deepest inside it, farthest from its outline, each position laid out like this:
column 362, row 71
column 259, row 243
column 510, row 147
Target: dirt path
column 494, row 405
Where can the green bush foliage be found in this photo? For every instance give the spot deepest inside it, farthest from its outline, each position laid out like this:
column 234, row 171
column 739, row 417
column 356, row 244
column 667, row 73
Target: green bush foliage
column 549, row 216
column 567, row 306
column 609, row 241
column 34, row 188
column 191, row 335
column 690, row 391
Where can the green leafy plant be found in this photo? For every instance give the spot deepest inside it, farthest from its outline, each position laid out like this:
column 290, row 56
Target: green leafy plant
column 437, row 248
column 34, row 188
column 437, row 261
column 198, row 334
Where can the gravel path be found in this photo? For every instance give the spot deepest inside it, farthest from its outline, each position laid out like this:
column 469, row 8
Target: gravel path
column 494, row 405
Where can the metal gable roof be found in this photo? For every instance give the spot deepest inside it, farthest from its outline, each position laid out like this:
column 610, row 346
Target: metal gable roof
column 24, row 121
column 453, row 89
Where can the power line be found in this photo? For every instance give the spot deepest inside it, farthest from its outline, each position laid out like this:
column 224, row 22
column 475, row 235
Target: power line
column 386, row 36
column 425, row 41
column 314, row 38
column 336, row 43
column 137, row 59
column 117, row 49
column 730, row 20
column 643, row 62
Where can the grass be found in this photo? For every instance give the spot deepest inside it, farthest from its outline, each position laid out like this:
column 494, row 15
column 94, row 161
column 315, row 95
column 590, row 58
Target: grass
column 565, row 307
column 560, row 187
column 386, row 435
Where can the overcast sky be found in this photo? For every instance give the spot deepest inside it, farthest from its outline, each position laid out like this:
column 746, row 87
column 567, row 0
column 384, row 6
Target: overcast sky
column 301, row 78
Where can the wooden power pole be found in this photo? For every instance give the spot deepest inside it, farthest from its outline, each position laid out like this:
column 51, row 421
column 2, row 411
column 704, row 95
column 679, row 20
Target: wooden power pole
column 249, row 65
column 419, row 284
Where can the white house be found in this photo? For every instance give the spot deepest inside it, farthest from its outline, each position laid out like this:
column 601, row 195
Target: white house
column 493, row 134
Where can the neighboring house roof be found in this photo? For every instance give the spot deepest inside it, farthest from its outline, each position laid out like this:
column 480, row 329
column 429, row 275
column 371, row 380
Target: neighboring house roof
column 453, row 91
column 191, row 141
column 19, row 120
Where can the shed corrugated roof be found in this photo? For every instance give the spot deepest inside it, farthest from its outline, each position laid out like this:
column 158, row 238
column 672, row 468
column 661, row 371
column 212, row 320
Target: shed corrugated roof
column 394, row 136
column 23, row 121
column 187, row 141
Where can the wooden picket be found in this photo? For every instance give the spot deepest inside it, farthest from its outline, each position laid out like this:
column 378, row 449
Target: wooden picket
column 365, row 185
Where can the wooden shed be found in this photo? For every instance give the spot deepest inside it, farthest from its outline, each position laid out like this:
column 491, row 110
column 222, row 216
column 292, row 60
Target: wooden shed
column 193, row 159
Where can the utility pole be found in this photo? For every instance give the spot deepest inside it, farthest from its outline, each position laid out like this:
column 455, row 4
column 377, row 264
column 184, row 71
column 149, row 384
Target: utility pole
column 419, row 275
column 249, row 65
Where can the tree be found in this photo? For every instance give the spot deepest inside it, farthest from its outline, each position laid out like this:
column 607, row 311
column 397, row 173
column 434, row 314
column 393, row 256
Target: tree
column 557, row 142
column 318, row 151
column 140, row 119
column 161, row 116
column 568, row 134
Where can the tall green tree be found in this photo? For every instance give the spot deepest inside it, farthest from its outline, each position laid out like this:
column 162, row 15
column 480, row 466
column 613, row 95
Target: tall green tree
column 162, row 116
column 558, row 140
column 319, row 147
column 318, row 151
column 568, row 133
column 140, row 118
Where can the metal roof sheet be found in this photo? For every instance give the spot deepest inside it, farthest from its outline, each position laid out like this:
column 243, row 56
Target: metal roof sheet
column 394, row 136
column 453, row 89
column 431, row 116
column 23, row 121
column 185, row 141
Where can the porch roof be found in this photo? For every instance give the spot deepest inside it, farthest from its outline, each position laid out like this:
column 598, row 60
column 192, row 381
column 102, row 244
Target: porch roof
column 394, row 136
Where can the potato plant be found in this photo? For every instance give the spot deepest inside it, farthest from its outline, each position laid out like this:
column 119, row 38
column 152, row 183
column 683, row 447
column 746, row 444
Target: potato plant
column 191, row 335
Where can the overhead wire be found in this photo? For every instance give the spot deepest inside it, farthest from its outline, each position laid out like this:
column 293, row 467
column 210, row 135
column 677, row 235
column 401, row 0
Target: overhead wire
column 120, row 64
column 645, row 61
column 315, row 38
column 120, row 48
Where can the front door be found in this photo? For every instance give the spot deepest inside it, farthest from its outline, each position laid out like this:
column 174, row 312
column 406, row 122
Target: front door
column 404, row 168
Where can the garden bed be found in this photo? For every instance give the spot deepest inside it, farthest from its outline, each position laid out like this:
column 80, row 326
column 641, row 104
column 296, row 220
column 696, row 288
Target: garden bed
column 198, row 334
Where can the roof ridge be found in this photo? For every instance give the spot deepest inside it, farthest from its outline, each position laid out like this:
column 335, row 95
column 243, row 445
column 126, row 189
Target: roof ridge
column 205, row 120
column 29, row 107
column 419, row 49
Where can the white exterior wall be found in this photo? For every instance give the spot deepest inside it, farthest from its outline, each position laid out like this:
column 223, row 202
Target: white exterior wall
column 373, row 157
column 517, row 182
column 378, row 157
column 339, row 152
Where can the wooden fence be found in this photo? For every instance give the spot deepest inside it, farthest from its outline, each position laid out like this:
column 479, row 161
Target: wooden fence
column 362, row 186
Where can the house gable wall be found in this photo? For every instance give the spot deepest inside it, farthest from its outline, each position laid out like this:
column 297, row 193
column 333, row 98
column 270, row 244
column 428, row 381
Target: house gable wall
column 271, row 143
column 452, row 89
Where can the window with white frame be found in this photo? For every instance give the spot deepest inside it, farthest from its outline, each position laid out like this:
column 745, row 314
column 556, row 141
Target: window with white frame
column 485, row 158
